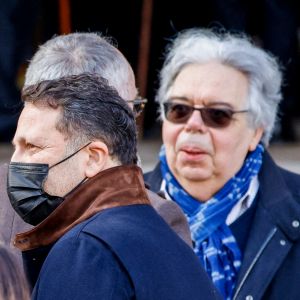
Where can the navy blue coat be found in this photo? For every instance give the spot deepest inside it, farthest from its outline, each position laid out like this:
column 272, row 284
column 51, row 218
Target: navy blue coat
column 271, row 259
column 116, row 254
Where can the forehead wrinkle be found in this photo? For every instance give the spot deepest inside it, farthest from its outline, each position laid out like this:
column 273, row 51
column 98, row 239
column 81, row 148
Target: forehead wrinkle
column 36, row 125
column 208, row 84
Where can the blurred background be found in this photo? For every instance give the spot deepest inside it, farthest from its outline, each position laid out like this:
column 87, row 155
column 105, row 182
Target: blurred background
column 141, row 29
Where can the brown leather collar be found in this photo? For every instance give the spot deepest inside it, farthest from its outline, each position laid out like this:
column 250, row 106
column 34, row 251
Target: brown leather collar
column 118, row 186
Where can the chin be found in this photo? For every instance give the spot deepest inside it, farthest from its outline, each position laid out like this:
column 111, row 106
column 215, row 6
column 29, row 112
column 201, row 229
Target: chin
column 194, row 173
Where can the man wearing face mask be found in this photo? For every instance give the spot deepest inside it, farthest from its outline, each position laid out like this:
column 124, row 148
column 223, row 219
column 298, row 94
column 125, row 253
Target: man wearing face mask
column 74, row 54
column 73, row 174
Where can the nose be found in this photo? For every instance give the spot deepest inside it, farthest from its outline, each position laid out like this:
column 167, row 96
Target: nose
column 195, row 123
column 15, row 156
column 19, row 155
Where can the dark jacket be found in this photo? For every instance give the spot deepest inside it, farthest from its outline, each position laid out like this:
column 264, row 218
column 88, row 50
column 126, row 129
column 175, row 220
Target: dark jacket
column 105, row 241
column 11, row 223
column 271, row 259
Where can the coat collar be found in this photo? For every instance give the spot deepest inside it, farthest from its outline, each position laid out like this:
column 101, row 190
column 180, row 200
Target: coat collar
column 118, row 186
column 154, row 178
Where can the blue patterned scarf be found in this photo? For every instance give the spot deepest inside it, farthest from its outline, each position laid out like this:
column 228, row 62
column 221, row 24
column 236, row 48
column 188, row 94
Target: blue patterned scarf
column 214, row 243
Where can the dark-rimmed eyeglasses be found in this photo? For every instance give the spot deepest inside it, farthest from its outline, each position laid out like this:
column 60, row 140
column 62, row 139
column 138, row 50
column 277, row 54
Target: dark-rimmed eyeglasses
column 138, row 105
column 178, row 113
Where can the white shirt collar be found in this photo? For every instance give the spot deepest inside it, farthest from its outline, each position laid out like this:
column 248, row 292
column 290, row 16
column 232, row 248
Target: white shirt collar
column 244, row 203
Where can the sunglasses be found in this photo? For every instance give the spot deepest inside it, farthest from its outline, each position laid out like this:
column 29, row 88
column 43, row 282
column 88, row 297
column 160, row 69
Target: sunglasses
column 212, row 117
column 138, row 105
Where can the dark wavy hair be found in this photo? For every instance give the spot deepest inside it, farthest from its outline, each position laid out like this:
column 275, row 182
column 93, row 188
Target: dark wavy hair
column 91, row 110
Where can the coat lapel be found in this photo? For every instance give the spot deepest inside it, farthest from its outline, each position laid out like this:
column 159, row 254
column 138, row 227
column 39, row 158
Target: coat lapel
column 272, row 234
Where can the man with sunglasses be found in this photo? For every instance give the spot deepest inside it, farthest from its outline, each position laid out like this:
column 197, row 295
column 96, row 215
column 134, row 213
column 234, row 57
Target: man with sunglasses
column 219, row 97
column 74, row 54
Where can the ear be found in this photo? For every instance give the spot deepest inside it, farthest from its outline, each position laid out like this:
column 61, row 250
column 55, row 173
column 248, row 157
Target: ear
column 98, row 158
column 256, row 138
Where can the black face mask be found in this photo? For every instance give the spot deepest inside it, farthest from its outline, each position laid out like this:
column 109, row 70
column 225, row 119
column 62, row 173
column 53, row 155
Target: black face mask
column 25, row 190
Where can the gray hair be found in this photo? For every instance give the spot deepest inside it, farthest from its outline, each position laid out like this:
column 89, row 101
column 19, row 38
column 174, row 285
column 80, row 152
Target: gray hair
column 78, row 53
column 199, row 46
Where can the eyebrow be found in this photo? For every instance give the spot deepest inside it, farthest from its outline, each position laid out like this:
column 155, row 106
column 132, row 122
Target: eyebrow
column 214, row 103
column 23, row 141
column 179, row 98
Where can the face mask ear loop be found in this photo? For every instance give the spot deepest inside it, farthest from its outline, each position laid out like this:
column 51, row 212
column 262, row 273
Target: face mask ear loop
column 69, row 156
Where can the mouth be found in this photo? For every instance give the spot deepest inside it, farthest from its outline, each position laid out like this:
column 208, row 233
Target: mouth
column 192, row 153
